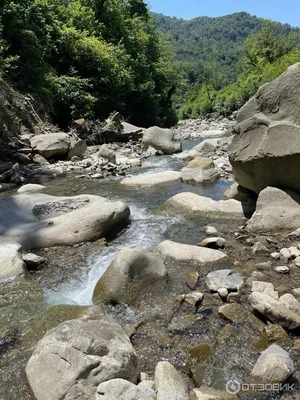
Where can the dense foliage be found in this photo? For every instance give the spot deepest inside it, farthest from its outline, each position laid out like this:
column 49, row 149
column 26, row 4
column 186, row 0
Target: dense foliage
column 222, row 61
column 87, row 58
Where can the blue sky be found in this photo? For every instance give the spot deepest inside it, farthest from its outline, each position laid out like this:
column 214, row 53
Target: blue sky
column 277, row 10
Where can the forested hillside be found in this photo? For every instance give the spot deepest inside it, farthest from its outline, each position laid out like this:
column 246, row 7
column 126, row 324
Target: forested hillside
column 87, row 58
column 222, row 61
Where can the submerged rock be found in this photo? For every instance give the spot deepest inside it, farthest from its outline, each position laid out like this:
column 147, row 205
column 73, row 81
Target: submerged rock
column 161, row 139
column 169, row 383
column 153, row 179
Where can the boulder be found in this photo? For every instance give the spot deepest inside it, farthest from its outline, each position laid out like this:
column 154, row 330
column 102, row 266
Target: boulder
column 225, row 278
column 185, row 253
column 169, row 383
column 234, row 312
column 153, row 179
column 213, row 243
column 161, row 139
column 206, row 148
column 238, row 192
column 265, row 287
column 31, row 188
column 277, row 211
column 71, row 360
column 77, row 147
column 199, row 175
column 192, row 203
column 51, row 145
column 209, row 393
column 273, row 366
column 290, row 302
column 11, row 262
column 38, row 220
column 265, row 151
column 128, row 276
column 106, row 153
column 120, row 389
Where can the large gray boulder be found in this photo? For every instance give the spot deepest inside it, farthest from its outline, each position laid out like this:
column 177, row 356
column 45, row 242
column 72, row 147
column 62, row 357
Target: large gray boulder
column 161, row 139
column 265, row 150
column 52, row 145
column 119, row 389
column 128, row 276
column 71, row 360
column 277, row 211
column 37, row 220
column 11, row 262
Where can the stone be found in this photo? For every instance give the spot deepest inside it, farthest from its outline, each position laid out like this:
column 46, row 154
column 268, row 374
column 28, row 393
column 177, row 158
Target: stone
column 286, row 253
column 193, row 203
column 215, row 134
column 273, row 366
column 194, row 299
column 210, row 230
column 274, row 310
column 148, row 384
column 284, row 269
column 259, row 248
column 197, row 361
column 297, row 262
column 225, row 278
column 213, row 243
column 290, row 302
column 11, row 262
column 265, row 287
column 223, row 292
column 120, row 389
column 276, row 256
column 209, row 393
column 237, row 192
column 51, row 145
column 294, row 252
column 38, row 220
column 153, row 179
column 169, row 383
column 199, row 176
column 77, row 147
column 201, row 162
column 71, row 360
column 33, row 261
column 31, row 188
column 277, row 211
column 263, row 151
column 192, row 280
column 296, row 292
column 161, row 139
column 233, row 312
column 205, row 148
column 233, row 297
column 106, row 153
column 193, row 255
column 132, row 272
column 271, row 334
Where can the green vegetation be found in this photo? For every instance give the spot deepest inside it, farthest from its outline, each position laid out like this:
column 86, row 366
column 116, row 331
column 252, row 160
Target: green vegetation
column 222, row 61
column 87, row 58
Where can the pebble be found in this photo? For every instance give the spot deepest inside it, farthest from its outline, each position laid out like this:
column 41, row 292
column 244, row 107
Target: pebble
column 223, row 292
column 210, row 230
column 282, row 269
column 276, row 256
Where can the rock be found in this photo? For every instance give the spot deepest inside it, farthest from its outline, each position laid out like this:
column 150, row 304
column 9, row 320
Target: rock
column 215, row 134
column 265, row 287
column 297, row 262
column 193, row 203
column 192, row 280
column 33, row 261
column 31, row 188
column 147, row 384
column 38, row 220
column 201, row 162
column 71, row 360
column 233, row 297
column 233, row 312
column 51, row 145
column 274, row 310
column 237, row 192
column 209, row 393
column 276, row 256
column 271, row 334
column 223, row 293
column 11, row 263
column 185, row 253
column 225, row 278
column 263, row 151
column 290, row 302
column 161, row 139
column 273, row 366
column 296, row 292
column 259, row 248
column 194, row 299
column 210, row 230
column 106, row 153
column 135, row 162
column 286, row 253
column 119, row 389
column 199, row 175
column 169, row 383
column 284, row 269
column 77, row 147
column 128, row 276
column 198, row 359
column 213, row 243
column 294, row 252
column 153, row 179
column 277, row 211
column 205, row 148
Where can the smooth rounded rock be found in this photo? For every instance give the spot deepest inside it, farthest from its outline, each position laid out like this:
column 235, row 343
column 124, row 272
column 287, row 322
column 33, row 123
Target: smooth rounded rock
column 169, row 383
column 226, row 278
column 153, row 179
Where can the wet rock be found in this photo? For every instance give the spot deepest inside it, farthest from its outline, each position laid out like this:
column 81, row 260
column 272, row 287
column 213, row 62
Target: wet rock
column 273, row 366
column 199, row 176
column 233, row 312
column 154, row 179
column 197, row 361
column 273, row 334
column 31, row 188
column 38, row 220
column 226, row 278
column 128, row 276
column 11, row 263
column 194, row 299
column 193, row 255
column 33, row 261
column 75, row 357
column 210, row 230
column 120, row 389
column 213, row 243
column 192, row 280
column 284, row 269
column 209, row 393
column 169, row 383
column 161, row 139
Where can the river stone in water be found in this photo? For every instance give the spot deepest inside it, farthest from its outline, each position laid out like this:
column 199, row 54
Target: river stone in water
column 39, row 220
column 75, row 357
column 273, row 366
column 277, row 211
column 11, row 262
column 161, row 139
column 119, row 389
column 225, row 278
column 169, row 383
column 128, row 276
column 153, row 179
column 185, row 253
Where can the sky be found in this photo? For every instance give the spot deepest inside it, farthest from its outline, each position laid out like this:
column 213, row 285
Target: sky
column 287, row 11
